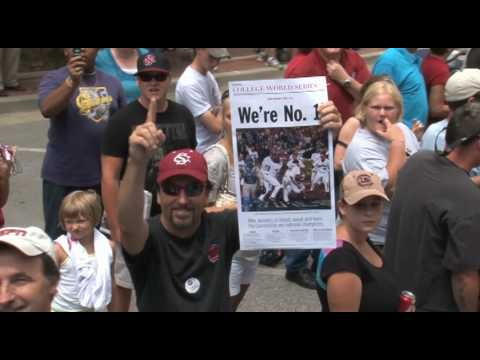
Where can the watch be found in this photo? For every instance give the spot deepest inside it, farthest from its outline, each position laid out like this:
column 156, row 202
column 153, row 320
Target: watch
column 347, row 83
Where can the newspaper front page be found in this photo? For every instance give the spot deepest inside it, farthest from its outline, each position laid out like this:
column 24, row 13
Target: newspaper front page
column 284, row 164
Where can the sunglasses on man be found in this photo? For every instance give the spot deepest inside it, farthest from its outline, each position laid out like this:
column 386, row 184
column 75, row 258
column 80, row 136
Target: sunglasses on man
column 147, row 77
column 192, row 189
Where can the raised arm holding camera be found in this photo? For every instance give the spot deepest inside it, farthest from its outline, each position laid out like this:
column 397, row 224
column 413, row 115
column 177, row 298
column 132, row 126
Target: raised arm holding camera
column 78, row 63
column 78, row 100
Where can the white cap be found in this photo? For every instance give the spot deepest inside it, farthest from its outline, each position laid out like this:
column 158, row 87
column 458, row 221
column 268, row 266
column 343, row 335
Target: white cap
column 219, row 53
column 31, row 241
column 462, row 85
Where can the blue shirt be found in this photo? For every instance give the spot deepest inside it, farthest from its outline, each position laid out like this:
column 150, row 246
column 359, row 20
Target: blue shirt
column 434, row 137
column 405, row 70
column 75, row 135
column 106, row 63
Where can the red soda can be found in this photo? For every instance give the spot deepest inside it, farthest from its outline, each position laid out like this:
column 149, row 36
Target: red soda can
column 407, row 301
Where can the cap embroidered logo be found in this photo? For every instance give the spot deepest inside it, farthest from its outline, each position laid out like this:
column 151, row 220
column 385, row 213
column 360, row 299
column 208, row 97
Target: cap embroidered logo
column 149, row 60
column 364, row 180
column 9, row 231
column 182, row 159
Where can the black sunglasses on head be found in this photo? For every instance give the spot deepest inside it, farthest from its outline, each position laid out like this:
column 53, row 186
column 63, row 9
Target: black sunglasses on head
column 146, row 77
column 194, row 188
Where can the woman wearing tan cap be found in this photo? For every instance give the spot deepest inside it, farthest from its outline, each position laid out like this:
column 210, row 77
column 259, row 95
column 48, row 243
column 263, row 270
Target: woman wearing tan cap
column 353, row 277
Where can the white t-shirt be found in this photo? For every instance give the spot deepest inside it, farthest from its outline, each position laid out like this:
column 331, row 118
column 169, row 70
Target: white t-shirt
column 370, row 152
column 220, row 173
column 199, row 93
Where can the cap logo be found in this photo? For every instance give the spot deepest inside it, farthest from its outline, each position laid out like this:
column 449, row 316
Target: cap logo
column 18, row 232
column 214, row 253
column 364, row 180
column 149, row 60
column 182, row 159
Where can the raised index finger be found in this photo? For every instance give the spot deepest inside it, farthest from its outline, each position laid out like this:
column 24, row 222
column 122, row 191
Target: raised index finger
column 152, row 111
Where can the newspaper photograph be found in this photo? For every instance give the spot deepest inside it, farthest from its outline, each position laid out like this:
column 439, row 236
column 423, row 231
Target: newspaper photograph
column 284, row 169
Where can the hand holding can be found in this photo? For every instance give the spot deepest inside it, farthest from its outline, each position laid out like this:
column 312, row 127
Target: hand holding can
column 407, row 302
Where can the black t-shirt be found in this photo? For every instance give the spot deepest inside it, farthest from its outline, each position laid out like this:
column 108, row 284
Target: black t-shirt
column 433, row 229
column 380, row 291
column 177, row 123
column 173, row 274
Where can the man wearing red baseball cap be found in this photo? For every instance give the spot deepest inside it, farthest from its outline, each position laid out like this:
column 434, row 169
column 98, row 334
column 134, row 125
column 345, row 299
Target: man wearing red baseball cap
column 179, row 260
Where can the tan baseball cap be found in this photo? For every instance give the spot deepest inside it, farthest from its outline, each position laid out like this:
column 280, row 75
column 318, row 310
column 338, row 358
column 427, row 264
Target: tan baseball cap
column 359, row 184
column 30, row 241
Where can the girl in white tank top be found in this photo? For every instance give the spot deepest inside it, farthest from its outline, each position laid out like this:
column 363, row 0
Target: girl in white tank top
column 85, row 256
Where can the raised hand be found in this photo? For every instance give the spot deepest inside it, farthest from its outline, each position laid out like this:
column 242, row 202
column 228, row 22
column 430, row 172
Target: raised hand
column 76, row 67
column 390, row 132
column 336, row 71
column 146, row 138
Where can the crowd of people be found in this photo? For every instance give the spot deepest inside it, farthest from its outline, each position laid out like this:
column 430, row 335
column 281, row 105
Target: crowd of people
column 139, row 191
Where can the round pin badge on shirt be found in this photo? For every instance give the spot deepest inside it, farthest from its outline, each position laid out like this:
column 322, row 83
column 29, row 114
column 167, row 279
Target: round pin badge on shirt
column 192, row 285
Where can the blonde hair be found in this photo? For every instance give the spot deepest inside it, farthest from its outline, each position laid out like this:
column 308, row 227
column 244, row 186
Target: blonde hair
column 384, row 86
column 85, row 204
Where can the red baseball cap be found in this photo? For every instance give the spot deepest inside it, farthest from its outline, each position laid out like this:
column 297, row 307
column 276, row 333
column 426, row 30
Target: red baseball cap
column 186, row 162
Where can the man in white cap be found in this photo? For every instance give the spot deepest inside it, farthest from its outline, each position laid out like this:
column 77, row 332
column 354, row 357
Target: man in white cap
column 28, row 270
column 461, row 87
column 198, row 90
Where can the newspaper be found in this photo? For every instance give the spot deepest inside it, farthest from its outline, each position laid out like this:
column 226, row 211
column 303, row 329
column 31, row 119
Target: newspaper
column 284, row 164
